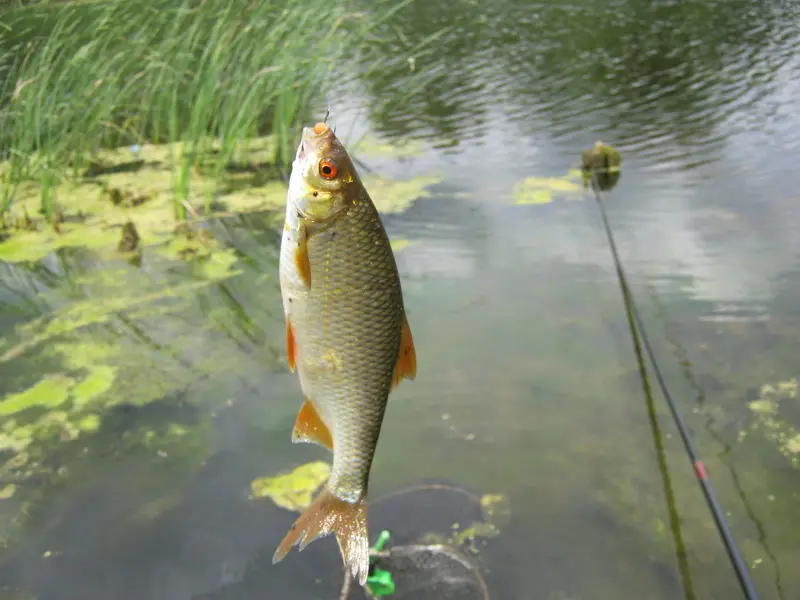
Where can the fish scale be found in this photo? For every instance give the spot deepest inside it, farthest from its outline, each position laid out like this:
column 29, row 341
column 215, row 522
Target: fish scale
column 359, row 326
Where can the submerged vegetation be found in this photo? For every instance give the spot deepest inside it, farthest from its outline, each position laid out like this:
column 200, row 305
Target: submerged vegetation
column 118, row 117
column 777, row 414
column 129, row 131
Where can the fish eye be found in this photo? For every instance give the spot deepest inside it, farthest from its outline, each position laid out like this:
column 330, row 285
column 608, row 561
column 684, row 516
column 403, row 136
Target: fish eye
column 328, row 168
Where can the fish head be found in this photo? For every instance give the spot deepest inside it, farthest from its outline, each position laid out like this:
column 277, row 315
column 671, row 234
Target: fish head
column 322, row 175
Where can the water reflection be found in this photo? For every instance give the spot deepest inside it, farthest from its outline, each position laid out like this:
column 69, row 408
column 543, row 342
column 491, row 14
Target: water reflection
column 670, row 82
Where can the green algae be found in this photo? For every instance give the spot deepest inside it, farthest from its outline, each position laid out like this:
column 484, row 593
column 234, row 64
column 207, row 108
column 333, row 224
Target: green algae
column 84, row 313
column 50, row 392
column 123, row 211
column 543, row 190
column 7, row 491
column 96, row 368
column 371, row 146
column 776, row 416
column 63, row 398
column 496, row 514
column 30, row 246
column 294, row 490
column 496, row 509
column 65, row 406
column 219, row 265
column 89, row 423
column 97, row 383
column 269, row 196
column 396, row 195
column 401, row 244
column 122, row 192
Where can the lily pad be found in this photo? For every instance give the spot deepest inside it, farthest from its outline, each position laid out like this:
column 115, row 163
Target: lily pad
column 294, row 490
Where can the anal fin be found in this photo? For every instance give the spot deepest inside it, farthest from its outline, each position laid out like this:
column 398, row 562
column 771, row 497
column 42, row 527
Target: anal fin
column 406, row 366
column 310, row 427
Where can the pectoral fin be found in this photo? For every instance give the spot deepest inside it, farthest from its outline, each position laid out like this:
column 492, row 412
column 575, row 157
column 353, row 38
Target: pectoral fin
column 301, row 256
column 291, row 345
column 406, row 366
column 309, row 427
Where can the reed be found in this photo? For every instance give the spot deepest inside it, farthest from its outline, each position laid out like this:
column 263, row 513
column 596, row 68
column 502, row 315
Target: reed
column 79, row 78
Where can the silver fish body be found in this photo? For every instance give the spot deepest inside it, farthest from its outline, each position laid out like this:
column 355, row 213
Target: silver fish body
column 347, row 334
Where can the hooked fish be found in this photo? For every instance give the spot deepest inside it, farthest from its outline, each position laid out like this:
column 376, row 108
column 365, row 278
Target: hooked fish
column 347, row 335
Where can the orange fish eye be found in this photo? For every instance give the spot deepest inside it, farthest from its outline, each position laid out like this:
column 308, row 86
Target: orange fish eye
column 328, row 168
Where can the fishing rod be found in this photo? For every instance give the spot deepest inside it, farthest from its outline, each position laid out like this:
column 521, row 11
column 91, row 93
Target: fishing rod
column 732, row 548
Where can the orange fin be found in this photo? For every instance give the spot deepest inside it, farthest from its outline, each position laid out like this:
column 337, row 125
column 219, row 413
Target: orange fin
column 301, row 256
column 406, row 367
column 291, row 345
column 310, row 427
column 328, row 514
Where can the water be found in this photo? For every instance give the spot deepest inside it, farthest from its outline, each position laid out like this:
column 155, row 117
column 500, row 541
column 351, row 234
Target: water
column 527, row 381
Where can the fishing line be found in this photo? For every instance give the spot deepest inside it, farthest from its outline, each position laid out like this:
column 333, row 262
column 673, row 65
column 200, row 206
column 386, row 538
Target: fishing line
column 638, row 332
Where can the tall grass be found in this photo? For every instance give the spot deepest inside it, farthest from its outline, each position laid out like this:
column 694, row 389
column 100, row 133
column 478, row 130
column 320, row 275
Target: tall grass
column 78, row 78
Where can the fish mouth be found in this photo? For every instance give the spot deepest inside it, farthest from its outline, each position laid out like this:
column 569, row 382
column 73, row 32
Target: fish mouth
column 312, row 140
column 313, row 205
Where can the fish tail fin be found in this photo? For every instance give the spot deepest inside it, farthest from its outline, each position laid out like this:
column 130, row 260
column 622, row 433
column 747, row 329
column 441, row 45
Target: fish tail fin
column 329, row 514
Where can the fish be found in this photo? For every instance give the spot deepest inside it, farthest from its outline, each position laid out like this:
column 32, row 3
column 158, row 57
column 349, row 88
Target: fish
column 347, row 335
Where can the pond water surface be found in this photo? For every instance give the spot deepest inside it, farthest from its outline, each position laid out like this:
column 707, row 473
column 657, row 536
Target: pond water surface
column 527, row 382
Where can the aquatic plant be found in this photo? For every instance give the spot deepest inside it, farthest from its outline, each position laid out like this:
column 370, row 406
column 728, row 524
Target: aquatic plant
column 294, row 490
column 130, row 211
column 203, row 77
column 542, row 190
column 776, row 412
